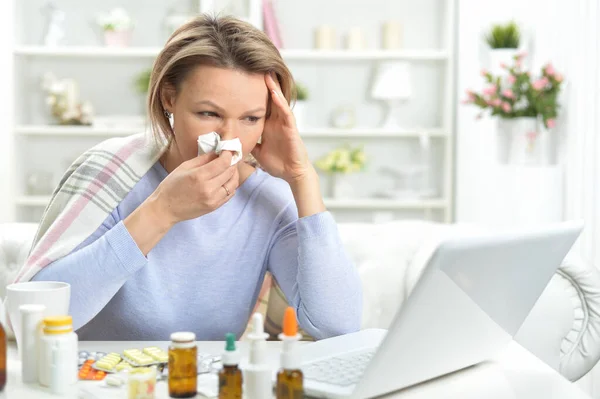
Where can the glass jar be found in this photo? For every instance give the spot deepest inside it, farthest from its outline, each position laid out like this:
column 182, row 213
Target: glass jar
column 142, row 383
column 183, row 372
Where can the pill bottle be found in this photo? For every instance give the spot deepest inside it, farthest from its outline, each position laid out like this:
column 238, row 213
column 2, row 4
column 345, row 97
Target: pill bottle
column 183, row 371
column 58, row 354
column 141, row 383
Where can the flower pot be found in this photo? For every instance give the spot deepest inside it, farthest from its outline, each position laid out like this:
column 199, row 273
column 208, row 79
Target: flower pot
column 117, row 38
column 524, row 141
column 500, row 56
column 299, row 111
column 339, row 187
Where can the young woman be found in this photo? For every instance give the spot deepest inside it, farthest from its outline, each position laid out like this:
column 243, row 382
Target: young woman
column 187, row 246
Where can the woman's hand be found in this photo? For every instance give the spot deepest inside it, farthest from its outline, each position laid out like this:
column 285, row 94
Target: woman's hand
column 282, row 152
column 194, row 188
column 197, row 187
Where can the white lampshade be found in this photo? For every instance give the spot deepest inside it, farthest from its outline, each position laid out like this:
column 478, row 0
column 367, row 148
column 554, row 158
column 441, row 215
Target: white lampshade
column 392, row 81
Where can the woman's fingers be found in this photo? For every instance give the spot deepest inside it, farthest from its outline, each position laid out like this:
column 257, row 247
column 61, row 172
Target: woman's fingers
column 226, row 190
column 281, row 105
column 226, row 176
column 218, row 165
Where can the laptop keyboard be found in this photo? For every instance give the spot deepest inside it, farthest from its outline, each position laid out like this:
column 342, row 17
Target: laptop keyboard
column 340, row 370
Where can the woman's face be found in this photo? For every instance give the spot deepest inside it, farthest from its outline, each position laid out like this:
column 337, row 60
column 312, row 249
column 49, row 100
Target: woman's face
column 227, row 101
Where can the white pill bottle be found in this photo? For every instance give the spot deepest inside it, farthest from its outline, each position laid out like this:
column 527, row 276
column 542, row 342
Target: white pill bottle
column 58, row 354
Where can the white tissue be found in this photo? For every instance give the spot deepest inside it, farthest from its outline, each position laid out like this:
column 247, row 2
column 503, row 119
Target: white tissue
column 211, row 142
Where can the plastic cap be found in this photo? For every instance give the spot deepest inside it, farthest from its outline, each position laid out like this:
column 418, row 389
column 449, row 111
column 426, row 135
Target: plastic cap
column 230, row 342
column 31, row 308
column 183, row 337
column 258, row 328
column 58, row 321
column 290, row 325
column 257, row 324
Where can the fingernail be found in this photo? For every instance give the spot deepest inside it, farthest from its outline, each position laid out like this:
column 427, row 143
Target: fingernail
column 275, row 92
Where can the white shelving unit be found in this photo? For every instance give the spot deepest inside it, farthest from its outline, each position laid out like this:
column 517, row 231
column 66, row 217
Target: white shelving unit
column 290, row 55
column 441, row 57
column 97, row 131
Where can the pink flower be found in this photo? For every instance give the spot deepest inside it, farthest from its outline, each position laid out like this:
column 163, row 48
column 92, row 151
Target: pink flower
column 558, row 77
column 503, row 65
column 521, row 55
column 531, row 136
column 550, row 123
column 550, row 69
column 508, row 93
column 518, row 63
column 511, row 79
column 506, row 107
column 496, row 102
column 484, row 72
column 540, row 83
column 488, row 91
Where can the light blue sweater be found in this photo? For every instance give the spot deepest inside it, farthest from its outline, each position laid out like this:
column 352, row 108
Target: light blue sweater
column 205, row 274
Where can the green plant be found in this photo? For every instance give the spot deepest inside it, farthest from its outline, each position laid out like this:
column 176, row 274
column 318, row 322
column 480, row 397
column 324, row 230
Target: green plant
column 343, row 160
column 142, row 81
column 504, row 36
column 301, row 92
column 116, row 20
column 519, row 94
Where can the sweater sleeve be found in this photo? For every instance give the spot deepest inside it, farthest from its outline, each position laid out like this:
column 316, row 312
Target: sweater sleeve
column 308, row 261
column 96, row 269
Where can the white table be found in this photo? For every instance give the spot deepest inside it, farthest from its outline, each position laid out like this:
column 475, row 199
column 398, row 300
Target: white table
column 515, row 373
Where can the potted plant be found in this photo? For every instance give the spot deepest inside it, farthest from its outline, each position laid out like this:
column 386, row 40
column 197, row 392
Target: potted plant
column 342, row 160
column 527, row 108
column 300, row 105
column 503, row 41
column 141, row 84
column 117, row 27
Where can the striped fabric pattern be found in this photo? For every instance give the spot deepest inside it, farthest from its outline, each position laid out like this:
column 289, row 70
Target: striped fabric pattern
column 90, row 190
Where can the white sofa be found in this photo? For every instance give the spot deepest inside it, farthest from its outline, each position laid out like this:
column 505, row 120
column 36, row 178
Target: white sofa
column 563, row 329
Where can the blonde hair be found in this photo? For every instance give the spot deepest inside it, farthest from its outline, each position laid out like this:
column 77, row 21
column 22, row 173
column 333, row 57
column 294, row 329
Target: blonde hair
column 224, row 42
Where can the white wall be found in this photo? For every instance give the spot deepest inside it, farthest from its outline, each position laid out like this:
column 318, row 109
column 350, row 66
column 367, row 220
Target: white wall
column 6, row 113
column 474, row 137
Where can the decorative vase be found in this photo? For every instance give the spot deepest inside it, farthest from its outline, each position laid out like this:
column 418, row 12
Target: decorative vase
column 299, row 111
column 117, row 38
column 524, row 141
column 499, row 56
column 340, row 186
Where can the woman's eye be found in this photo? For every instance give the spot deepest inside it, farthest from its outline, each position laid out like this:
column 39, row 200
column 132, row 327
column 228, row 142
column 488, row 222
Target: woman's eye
column 253, row 119
column 207, row 114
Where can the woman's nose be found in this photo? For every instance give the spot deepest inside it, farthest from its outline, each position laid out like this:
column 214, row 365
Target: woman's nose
column 227, row 130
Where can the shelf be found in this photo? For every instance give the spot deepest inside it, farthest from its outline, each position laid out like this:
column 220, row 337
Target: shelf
column 33, row 200
column 348, row 55
column 331, row 203
column 87, row 51
column 75, row 131
column 370, row 132
column 288, row 54
column 97, row 131
column 383, row 203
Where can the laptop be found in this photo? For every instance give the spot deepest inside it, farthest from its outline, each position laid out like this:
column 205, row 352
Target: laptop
column 470, row 301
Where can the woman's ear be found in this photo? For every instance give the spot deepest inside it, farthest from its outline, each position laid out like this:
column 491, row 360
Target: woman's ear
column 167, row 98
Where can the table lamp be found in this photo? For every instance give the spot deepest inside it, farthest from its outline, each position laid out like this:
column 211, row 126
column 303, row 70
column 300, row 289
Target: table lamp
column 392, row 84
